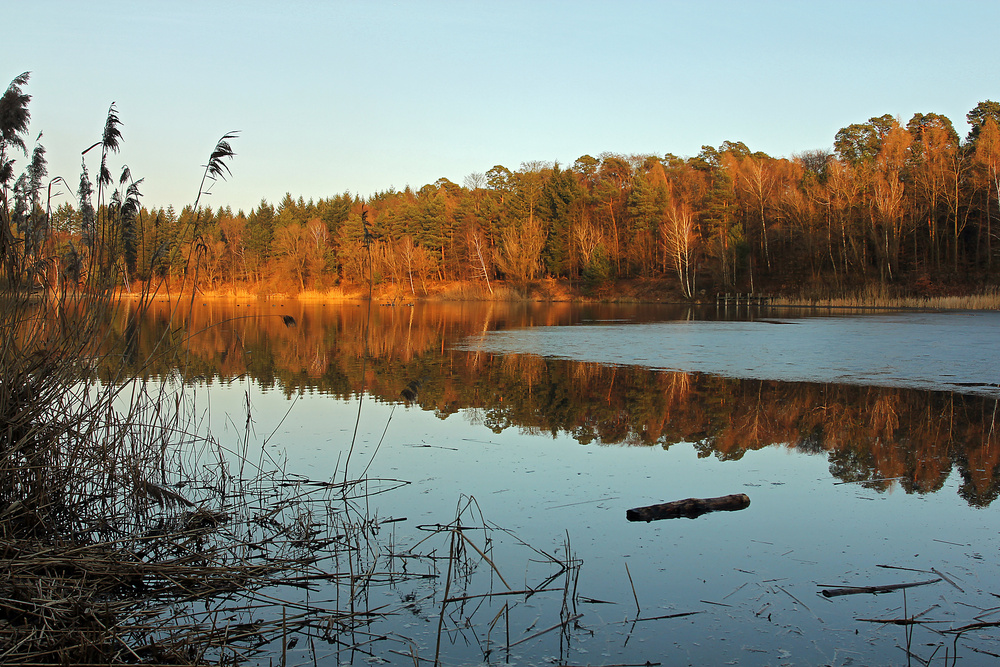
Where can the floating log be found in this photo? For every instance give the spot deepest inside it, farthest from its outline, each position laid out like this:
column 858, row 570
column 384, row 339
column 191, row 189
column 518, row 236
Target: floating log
column 690, row 508
column 855, row 590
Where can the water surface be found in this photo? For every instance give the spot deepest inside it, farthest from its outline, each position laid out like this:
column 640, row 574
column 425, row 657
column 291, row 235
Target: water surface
column 862, row 442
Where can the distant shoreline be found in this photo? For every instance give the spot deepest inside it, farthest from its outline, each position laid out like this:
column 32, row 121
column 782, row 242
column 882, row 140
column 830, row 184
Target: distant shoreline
column 623, row 292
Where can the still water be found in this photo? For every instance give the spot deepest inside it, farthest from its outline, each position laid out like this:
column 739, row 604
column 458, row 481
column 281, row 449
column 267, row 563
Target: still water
column 866, row 443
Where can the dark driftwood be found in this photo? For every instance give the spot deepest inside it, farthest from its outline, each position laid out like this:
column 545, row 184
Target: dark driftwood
column 854, row 590
column 690, row 508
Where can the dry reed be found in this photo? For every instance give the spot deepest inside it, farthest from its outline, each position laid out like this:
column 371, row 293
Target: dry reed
column 127, row 534
column 884, row 298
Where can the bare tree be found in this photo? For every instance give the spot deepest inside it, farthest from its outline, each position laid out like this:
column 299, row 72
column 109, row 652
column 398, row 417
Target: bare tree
column 679, row 238
column 475, row 181
column 987, row 156
column 478, row 253
column 588, row 237
column 520, row 252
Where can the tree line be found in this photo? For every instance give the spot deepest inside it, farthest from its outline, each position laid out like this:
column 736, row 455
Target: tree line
column 911, row 204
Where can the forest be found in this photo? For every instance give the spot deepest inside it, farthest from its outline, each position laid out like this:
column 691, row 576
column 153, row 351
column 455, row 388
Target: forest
column 908, row 206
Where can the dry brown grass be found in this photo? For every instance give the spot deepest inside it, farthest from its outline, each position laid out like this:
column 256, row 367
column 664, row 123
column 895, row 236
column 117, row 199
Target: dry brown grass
column 469, row 291
column 883, row 298
column 127, row 535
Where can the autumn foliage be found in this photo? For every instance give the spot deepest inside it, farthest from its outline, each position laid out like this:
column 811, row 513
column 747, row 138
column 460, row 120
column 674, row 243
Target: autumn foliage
column 911, row 207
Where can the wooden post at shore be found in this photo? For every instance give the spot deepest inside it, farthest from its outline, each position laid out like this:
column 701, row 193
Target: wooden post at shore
column 690, row 508
column 743, row 299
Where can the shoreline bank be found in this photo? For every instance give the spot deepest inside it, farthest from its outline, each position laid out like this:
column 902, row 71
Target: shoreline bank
column 623, row 292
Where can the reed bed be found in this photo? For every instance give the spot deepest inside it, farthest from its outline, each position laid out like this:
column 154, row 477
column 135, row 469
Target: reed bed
column 882, row 297
column 133, row 537
column 469, row 291
column 476, row 605
column 129, row 536
column 207, row 588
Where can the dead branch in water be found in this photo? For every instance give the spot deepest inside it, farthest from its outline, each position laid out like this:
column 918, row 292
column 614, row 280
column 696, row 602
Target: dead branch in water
column 875, row 590
column 689, row 508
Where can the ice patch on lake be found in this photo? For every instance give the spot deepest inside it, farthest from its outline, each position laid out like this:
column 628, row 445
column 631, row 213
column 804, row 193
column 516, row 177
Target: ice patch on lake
column 941, row 351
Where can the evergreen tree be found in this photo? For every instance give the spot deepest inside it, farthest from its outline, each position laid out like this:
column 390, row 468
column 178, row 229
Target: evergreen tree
column 861, row 142
column 333, row 212
column 727, row 244
column 645, row 207
column 260, row 236
column 976, row 117
column 562, row 201
column 431, row 228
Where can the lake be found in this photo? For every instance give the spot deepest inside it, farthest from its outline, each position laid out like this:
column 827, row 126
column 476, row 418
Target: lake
column 867, row 444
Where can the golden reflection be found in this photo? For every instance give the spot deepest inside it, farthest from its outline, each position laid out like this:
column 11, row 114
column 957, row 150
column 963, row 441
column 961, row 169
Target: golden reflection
column 879, row 437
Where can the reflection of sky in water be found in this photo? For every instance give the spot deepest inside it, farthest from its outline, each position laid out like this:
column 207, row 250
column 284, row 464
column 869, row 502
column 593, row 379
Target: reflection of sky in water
column 800, row 530
column 940, row 351
column 754, row 573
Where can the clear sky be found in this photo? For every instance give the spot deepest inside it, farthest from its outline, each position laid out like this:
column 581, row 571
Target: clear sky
column 365, row 95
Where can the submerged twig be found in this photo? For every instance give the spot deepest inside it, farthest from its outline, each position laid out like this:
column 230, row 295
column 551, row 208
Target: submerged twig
column 635, row 597
column 557, row 626
column 855, row 590
column 681, row 614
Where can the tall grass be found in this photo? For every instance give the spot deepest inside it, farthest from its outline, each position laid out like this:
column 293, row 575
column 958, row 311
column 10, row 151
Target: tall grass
column 127, row 533
column 468, row 291
column 884, row 297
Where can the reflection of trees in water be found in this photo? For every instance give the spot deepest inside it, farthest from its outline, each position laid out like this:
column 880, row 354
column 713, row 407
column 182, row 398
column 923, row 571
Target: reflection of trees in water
column 876, row 437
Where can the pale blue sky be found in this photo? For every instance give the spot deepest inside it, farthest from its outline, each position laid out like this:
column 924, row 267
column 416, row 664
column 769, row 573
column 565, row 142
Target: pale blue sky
column 363, row 96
